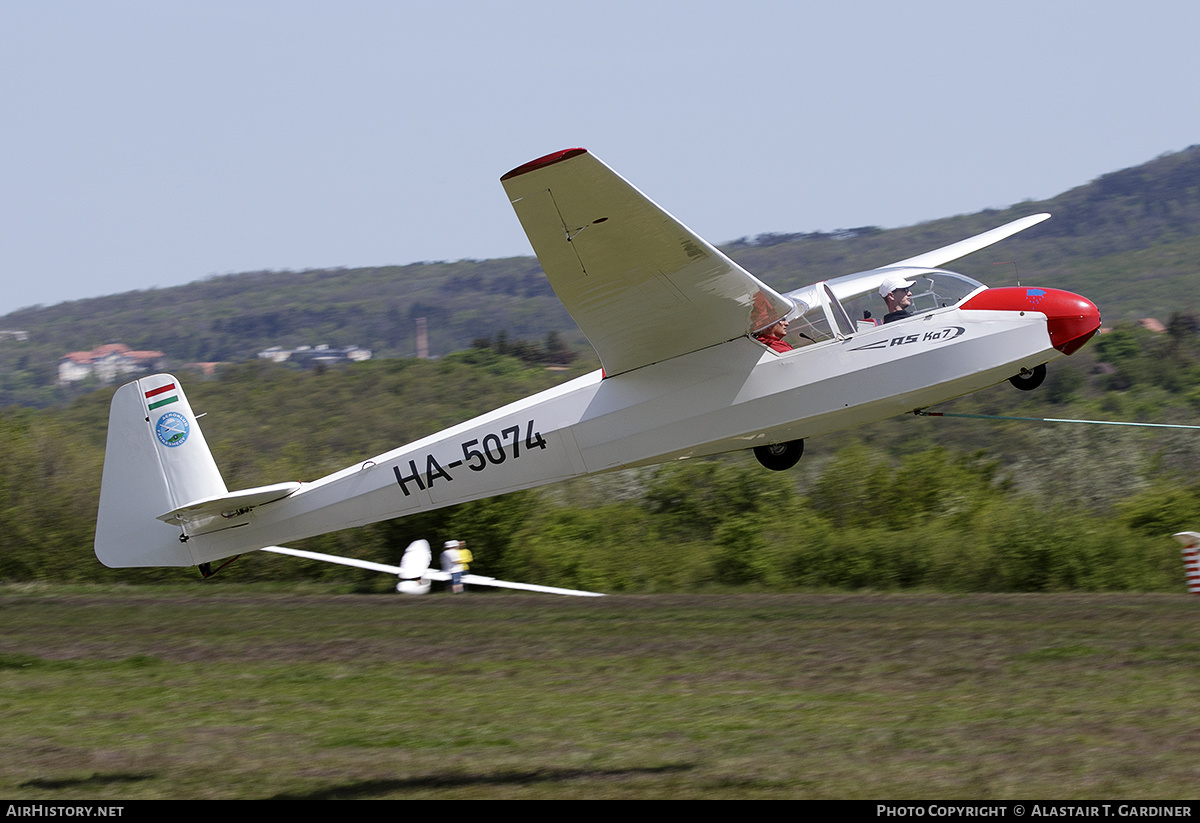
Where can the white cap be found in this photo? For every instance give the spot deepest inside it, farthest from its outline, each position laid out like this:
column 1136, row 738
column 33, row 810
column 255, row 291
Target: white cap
column 451, row 544
column 892, row 283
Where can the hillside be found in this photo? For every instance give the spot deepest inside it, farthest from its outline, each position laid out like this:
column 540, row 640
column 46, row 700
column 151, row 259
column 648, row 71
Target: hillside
column 1129, row 240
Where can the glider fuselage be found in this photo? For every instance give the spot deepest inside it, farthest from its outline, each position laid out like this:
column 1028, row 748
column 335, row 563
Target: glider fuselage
column 732, row 396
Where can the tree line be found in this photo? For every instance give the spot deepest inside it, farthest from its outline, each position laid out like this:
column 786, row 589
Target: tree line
column 939, row 506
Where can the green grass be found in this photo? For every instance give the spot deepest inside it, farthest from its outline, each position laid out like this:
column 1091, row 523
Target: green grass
column 235, row 693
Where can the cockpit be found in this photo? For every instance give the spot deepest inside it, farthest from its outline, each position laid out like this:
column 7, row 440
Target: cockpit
column 844, row 306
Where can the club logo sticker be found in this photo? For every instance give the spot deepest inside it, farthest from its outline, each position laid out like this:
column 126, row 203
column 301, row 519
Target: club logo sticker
column 172, row 429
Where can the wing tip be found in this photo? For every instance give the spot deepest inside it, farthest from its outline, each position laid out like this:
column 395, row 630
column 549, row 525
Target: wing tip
column 542, row 162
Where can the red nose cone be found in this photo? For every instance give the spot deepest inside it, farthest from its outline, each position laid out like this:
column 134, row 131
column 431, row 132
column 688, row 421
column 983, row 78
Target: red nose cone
column 1070, row 319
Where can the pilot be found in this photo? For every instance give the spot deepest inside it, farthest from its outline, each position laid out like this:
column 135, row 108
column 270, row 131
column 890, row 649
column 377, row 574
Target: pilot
column 896, row 293
column 772, row 336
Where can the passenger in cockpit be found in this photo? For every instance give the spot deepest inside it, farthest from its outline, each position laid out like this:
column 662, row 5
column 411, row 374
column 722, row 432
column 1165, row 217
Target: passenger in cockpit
column 896, row 293
column 773, row 336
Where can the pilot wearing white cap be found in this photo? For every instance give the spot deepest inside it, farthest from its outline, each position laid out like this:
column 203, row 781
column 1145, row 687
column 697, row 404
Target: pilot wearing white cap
column 895, row 293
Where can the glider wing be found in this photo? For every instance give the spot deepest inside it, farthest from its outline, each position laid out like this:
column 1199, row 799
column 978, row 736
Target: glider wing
column 849, row 285
column 940, row 257
column 470, row 579
column 641, row 285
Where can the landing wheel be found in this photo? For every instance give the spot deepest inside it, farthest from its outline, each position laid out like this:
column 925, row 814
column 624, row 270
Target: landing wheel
column 780, row 456
column 1029, row 379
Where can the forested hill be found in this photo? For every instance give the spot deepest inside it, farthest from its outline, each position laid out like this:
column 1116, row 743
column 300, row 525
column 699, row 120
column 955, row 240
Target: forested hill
column 1130, row 240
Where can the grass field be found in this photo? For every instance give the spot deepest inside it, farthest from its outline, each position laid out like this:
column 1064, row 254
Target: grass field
column 221, row 692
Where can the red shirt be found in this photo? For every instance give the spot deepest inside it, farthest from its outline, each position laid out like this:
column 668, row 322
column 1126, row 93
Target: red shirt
column 776, row 343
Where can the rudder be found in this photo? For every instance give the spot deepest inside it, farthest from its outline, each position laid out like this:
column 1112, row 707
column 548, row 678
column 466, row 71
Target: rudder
column 156, row 460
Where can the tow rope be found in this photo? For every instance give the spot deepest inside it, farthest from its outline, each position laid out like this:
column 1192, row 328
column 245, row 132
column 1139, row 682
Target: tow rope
column 923, row 413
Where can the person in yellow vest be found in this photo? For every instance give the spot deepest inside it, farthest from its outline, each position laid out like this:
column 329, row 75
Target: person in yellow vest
column 456, row 560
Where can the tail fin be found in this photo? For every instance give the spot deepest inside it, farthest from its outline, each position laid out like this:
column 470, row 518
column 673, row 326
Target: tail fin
column 156, row 461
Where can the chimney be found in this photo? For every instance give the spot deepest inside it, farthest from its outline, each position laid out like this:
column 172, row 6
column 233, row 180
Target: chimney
column 422, row 340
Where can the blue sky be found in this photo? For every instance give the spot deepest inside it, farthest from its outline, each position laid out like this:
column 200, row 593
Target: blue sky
column 146, row 144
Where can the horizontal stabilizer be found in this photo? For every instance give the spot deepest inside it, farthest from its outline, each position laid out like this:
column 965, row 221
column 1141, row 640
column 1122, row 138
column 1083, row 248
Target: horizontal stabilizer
column 199, row 512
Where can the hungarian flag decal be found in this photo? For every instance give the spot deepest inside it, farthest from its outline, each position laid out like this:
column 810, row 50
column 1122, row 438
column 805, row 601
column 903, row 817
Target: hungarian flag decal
column 162, row 396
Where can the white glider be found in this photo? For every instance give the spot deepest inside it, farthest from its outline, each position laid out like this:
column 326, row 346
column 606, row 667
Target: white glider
column 675, row 323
